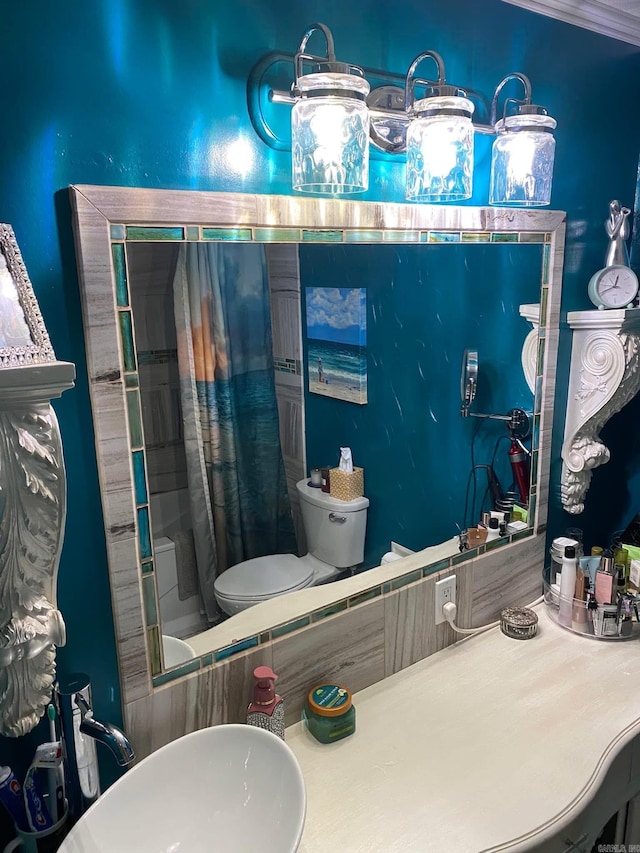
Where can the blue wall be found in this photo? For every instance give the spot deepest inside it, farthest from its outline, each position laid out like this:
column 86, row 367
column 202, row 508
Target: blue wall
column 425, row 305
column 152, row 93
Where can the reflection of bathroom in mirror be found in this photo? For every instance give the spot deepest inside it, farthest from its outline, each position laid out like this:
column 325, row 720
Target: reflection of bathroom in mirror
column 436, row 281
column 425, row 303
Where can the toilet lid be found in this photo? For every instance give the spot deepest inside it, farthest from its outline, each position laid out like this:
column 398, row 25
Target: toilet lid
column 264, row 577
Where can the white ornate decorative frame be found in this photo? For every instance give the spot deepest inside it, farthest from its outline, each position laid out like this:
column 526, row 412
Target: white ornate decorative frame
column 32, row 511
column 604, row 376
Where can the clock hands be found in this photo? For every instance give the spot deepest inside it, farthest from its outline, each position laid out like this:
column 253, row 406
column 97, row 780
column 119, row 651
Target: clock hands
column 611, row 286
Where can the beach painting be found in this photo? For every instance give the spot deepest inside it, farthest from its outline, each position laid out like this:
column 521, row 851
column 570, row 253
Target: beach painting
column 336, row 342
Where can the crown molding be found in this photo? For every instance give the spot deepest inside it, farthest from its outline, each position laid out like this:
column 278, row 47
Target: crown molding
column 600, row 17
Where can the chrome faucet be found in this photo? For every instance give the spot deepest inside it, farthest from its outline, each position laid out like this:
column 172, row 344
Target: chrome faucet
column 105, row 733
column 79, row 733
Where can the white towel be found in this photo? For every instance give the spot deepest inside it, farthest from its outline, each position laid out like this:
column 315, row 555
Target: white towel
column 186, row 565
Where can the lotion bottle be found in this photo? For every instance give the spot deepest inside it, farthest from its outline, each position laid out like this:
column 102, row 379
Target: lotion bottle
column 266, row 710
column 567, row 585
column 493, row 530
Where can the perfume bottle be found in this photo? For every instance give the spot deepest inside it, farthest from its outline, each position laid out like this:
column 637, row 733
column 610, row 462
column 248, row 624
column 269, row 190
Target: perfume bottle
column 604, row 581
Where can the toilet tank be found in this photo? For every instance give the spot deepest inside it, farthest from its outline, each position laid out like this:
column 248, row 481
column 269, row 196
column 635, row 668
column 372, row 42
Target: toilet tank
column 335, row 529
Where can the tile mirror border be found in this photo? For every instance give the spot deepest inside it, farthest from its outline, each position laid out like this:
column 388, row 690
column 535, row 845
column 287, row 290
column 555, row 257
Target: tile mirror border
column 105, row 220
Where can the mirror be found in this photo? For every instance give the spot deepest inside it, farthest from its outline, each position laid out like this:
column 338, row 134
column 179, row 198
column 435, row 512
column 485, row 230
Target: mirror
column 405, row 368
column 116, row 228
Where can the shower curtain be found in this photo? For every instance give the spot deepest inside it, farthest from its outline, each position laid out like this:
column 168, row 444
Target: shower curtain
column 237, row 488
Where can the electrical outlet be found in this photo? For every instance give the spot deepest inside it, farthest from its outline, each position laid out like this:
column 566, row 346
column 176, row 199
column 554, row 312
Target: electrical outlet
column 445, row 591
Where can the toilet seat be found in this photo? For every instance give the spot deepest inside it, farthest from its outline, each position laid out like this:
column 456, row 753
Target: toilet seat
column 263, row 577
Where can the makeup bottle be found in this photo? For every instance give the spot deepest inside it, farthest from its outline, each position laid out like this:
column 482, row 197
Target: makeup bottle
column 592, row 607
column 567, row 586
column 493, row 530
column 604, row 581
column 621, row 558
column 619, row 583
column 579, row 612
column 621, row 555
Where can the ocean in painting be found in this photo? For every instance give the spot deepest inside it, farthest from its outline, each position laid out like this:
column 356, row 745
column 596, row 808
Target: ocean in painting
column 337, row 370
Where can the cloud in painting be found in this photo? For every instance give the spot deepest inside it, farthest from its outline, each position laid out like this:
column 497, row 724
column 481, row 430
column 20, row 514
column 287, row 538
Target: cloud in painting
column 337, row 314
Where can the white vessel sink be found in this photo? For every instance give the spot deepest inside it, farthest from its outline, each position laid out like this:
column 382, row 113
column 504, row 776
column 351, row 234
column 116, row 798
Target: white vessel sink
column 175, row 651
column 231, row 789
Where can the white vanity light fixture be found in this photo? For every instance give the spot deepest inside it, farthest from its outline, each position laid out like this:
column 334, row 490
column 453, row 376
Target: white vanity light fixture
column 439, row 140
column 329, row 123
column 523, row 152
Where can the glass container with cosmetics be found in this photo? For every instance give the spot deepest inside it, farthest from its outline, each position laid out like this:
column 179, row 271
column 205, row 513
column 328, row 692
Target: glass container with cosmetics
column 592, row 596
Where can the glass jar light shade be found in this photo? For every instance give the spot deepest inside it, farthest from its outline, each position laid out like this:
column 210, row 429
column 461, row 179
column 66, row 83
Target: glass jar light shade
column 440, row 150
column 330, row 134
column 522, row 161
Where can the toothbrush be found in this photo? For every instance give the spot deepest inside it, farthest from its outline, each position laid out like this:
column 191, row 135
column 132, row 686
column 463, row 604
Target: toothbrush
column 56, row 777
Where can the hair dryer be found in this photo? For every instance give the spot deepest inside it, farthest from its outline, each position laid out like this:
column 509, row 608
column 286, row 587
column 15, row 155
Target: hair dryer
column 520, row 468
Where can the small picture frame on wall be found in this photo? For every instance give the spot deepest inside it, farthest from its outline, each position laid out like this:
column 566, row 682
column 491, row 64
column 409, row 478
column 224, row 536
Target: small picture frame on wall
column 23, row 337
column 336, row 342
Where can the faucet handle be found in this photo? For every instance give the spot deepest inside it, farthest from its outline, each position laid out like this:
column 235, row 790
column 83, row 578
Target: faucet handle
column 85, row 707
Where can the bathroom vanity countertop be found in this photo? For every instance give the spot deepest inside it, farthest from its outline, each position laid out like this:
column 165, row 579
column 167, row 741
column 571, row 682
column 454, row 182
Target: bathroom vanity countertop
column 284, row 608
column 491, row 744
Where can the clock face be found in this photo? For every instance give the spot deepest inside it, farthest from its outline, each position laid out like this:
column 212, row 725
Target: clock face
column 613, row 287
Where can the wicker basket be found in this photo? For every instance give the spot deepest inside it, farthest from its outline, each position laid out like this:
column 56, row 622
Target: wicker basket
column 346, row 485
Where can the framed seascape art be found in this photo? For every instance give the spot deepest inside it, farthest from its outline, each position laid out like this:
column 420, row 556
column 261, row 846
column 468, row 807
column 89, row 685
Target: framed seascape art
column 336, row 342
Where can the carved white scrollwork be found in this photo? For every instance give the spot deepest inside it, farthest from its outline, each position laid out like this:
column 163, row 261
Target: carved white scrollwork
column 603, row 378
column 32, row 518
column 32, row 497
column 531, row 312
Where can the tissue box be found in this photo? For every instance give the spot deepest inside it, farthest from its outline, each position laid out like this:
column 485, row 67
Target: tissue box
column 346, row 485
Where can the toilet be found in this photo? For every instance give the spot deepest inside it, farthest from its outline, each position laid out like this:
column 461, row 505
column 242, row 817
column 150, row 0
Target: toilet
column 335, row 532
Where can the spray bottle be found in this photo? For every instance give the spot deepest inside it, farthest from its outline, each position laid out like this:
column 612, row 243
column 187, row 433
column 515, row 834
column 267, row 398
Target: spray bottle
column 266, row 710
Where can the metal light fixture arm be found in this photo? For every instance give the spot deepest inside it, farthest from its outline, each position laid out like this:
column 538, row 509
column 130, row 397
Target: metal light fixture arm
column 526, row 101
column 411, row 82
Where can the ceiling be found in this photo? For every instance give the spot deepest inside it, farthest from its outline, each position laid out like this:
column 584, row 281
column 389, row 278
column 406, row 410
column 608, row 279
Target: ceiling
column 619, row 19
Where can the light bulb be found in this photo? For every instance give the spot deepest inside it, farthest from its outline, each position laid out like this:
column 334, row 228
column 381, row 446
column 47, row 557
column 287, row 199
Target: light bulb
column 440, row 150
column 330, row 134
column 522, row 161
